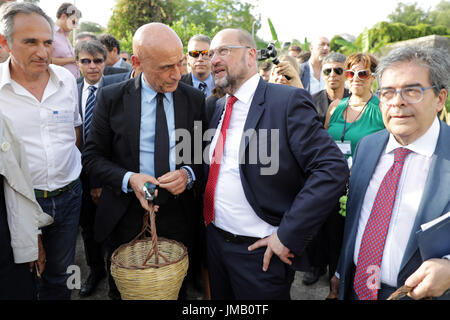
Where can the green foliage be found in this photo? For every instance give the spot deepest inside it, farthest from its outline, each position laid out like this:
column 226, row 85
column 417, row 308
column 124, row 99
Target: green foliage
column 208, row 16
column 186, row 30
column 364, row 43
column 93, row 27
column 274, row 34
column 441, row 15
column 409, row 14
column 126, row 43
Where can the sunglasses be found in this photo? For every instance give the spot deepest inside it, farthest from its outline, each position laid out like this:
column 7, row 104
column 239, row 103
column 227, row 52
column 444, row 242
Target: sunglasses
column 361, row 74
column 338, row 71
column 196, row 53
column 88, row 61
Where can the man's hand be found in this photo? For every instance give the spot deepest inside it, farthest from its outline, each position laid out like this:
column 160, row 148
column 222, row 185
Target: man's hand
column 41, row 258
column 283, row 69
column 136, row 182
column 334, row 288
column 432, row 279
column 274, row 245
column 175, row 181
column 95, row 194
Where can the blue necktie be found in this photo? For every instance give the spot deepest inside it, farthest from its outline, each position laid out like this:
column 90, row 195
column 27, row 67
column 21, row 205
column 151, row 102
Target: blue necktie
column 202, row 86
column 90, row 103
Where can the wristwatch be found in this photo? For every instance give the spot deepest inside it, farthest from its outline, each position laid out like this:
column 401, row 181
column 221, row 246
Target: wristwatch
column 190, row 180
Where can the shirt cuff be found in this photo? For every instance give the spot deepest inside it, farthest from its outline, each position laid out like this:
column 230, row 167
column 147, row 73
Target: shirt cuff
column 446, row 257
column 125, row 180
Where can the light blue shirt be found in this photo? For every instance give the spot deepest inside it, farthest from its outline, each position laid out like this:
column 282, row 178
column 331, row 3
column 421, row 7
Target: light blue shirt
column 147, row 133
column 209, row 84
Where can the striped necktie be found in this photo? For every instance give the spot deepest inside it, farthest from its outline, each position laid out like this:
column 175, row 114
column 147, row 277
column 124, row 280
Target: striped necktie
column 367, row 275
column 202, row 86
column 89, row 111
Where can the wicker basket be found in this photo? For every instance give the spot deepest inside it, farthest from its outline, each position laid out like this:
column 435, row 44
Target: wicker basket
column 149, row 268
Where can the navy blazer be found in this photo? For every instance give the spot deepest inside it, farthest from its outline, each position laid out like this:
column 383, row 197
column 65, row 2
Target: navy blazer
column 312, row 170
column 305, row 74
column 435, row 202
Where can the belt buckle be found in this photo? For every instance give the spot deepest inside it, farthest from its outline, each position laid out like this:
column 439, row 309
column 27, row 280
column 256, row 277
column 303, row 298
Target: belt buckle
column 45, row 194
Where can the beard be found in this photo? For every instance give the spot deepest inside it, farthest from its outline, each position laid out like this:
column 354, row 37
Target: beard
column 227, row 83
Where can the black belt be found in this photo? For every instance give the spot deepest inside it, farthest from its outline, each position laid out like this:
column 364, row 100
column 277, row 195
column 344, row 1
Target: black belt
column 234, row 238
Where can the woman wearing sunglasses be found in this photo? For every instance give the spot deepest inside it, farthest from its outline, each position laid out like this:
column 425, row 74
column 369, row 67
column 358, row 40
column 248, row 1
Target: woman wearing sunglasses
column 347, row 121
column 350, row 119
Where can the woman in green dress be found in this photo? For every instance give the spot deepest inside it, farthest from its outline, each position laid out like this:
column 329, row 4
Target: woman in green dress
column 347, row 121
column 350, row 119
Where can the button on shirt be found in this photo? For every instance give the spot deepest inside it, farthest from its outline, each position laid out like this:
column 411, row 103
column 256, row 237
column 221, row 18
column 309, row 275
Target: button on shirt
column 232, row 212
column 46, row 127
column 409, row 195
column 209, row 84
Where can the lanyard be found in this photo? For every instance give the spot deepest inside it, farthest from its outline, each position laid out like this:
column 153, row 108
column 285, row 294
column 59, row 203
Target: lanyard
column 357, row 117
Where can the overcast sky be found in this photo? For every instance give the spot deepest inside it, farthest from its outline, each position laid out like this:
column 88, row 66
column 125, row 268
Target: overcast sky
column 291, row 18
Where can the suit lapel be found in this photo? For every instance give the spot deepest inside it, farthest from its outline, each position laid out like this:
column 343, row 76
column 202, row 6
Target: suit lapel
column 255, row 112
column 132, row 116
column 435, row 196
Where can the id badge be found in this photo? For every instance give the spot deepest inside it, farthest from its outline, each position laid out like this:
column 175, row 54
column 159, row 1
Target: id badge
column 345, row 147
column 61, row 116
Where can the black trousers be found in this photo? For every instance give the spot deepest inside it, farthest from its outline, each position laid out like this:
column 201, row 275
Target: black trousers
column 16, row 280
column 236, row 273
column 172, row 222
column 94, row 252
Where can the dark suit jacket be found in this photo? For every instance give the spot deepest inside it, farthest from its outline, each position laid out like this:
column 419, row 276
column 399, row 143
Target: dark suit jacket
column 322, row 103
column 312, row 170
column 305, row 73
column 435, row 202
column 187, row 78
column 112, row 148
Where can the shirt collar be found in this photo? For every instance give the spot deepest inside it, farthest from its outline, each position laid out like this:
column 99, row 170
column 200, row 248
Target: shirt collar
column 6, row 75
column 196, row 82
column 424, row 145
column 87, row 85
column 58, row 29
column 247, row 89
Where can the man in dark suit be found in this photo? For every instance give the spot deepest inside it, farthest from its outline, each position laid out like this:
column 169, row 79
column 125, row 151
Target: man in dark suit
column 198, row 60
column 399, row 182
column 264, row 211
column 132, row 141
column 90, row 57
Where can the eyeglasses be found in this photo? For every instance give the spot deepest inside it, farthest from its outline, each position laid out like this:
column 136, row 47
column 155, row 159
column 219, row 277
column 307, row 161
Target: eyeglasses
column 412, row 94
column 338, row 71
column 361, row 74
column 196, row 53
column 88, row 61
column 224, row 51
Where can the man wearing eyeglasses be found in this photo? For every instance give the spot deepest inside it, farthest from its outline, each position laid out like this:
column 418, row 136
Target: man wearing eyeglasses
column 399, row 182
column 259, row 222
column 90, row 56
column 200, row 65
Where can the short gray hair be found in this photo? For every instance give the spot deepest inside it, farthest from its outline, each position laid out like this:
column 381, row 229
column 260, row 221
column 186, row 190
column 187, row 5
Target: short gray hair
column 201, row 38
column 436, row 60
column 334, row 57
column 9, row 10
column 92, row 47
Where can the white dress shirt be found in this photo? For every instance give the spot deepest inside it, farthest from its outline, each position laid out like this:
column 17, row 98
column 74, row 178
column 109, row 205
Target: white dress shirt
column 314, row 84
column 232, row 212
column 409, row 195
column 47, row 127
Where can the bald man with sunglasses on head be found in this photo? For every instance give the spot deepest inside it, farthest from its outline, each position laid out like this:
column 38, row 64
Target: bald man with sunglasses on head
column 200, row 65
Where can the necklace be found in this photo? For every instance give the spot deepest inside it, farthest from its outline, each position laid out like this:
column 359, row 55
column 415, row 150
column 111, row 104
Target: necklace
column 357, row 117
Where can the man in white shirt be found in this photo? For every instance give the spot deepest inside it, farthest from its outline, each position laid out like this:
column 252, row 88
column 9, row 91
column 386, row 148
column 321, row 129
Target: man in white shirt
column 311, row 70
column 41, row 100
column 262, row 212
column 399, row 182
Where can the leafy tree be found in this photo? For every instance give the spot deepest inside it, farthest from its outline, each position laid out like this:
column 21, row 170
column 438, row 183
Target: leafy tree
column 409, row 14
column 93, row 27
column 441, row 15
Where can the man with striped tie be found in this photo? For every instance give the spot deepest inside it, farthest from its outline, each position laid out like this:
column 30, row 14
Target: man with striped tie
column 90, row 57
column 399, row 183
column 200, row 65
